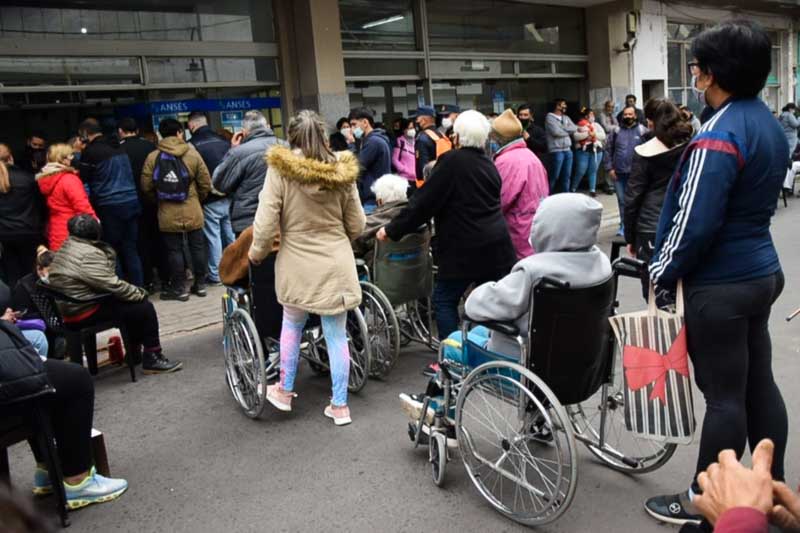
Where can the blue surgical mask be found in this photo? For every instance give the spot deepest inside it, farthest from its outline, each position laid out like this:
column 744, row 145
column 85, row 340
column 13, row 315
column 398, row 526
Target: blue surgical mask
column 358, row 132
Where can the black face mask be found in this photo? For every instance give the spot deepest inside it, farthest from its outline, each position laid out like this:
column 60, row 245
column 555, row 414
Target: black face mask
column 38, row 156
column 525, row 123
column 629, row 121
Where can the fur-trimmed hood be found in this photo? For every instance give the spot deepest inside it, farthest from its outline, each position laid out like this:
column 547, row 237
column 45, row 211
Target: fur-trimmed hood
column 292, row 165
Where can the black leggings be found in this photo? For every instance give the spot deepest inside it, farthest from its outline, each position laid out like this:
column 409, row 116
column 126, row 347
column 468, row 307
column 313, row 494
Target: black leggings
column 730, row 347
column 139, row 318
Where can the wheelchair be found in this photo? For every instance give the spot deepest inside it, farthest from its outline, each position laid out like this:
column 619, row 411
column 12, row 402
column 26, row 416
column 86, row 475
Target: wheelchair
column 516, row 422
column 252, row 320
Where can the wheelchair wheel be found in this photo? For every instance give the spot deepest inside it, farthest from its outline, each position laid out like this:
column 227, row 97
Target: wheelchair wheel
column 516, row 443
column 384, row 331
column 437, row 456
column 244, row 363
column 360, row 355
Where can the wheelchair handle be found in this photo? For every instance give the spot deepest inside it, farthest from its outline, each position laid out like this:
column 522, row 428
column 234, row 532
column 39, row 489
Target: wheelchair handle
column 546, row 280
column 631, row 262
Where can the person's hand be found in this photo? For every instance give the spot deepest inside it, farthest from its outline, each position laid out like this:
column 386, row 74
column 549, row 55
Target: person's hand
column 349, row 137
column 526, row 135
column 612, row 174
column 381, row 235
column 252, row 260
column 237, row 138
column 9, row 316
column 729, row 484
column 631, row 251
column 785, row 514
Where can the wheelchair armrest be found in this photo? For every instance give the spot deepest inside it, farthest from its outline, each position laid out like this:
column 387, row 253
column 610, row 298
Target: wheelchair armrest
column 506, row 328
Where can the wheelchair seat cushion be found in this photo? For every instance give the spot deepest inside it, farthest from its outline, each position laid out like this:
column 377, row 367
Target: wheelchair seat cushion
column 475, row 352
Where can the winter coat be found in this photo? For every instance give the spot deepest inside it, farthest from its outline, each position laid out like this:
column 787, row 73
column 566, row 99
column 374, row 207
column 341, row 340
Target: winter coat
column 537, row 140
column 790, row 124
column 652, row 168
column 84, row 269
column 462, row 196
column 212, row 148
column 375, row 158
column 559, row 132
column 137, row 149
column 524, row 186
column 22, row 374
column 404, row 158
column 179, row 217
column 241, row 175
column 640, row 118
column 65, row 198
column 564, row 234
column 364, row 245
column 106, row 169
column 316, row 208
column 21, row 208
column 619, row 148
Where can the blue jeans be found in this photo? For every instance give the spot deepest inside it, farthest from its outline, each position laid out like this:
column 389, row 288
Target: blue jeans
column 121, row 230
column 38, row 340
column 219, row 233
column 561, row 171
column 586, row 164
column 619, row 185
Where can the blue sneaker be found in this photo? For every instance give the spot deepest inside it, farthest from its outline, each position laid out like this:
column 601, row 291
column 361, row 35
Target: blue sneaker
column 94, row 489
column 41, row 482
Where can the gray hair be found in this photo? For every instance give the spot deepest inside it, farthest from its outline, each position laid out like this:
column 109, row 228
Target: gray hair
column 472, row 129
column 308, row 132
column 254, row 119
column 198, row 120
column 390, row 188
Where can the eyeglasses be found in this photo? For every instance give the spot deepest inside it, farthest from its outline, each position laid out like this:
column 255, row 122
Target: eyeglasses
column 693, row 65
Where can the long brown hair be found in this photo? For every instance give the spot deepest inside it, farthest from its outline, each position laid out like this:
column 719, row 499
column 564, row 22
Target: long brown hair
column 308, row 132
column 669, row 124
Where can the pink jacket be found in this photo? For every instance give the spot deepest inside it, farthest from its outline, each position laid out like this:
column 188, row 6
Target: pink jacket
column 524, row 186
column 404, row 159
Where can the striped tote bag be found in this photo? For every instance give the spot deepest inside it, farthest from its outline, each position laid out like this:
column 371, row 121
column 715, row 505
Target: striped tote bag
column 655, row 359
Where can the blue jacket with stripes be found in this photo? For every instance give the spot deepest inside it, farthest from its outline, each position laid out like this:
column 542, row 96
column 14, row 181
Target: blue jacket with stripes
column 714, row 226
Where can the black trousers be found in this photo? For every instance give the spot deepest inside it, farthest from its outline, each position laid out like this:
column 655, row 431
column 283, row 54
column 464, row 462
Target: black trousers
column 139, row 319
column 151, row 247
column 16, row 259
column 730, row 347
column 644, row 247
column 71, row 411
column 176, row 261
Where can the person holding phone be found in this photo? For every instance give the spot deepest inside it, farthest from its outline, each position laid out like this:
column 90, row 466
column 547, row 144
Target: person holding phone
column 31, row 329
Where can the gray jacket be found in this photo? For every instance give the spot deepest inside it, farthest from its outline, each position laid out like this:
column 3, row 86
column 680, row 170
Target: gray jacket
column 241, row 175
column 790, row 125
column 559, row 132
column 564, row 235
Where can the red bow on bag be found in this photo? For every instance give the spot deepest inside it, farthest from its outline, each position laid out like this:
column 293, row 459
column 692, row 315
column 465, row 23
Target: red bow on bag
column 644, row 366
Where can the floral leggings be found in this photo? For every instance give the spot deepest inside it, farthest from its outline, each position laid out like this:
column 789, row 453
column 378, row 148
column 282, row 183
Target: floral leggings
column 334, row 330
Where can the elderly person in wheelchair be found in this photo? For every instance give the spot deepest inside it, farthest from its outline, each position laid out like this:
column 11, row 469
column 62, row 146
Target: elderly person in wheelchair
column 391, row 195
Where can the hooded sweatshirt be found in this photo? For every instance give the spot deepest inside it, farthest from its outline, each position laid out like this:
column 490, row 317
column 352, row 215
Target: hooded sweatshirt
column 375, row 158
column 564, row 235
column 65, row 198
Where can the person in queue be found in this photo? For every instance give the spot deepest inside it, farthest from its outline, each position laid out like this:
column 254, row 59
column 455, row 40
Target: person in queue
column 391, row 195
column 425, row 145
column 374, row 153
column 589, row 141
column 34, row 158
column 462, row 196
column 83, row 269
column 619, row 150
column 311, row 198
column 403, row 156
column 714, row 235
column 342, row 139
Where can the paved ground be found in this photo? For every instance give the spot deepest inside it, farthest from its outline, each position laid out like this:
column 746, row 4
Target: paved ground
column 195, row 463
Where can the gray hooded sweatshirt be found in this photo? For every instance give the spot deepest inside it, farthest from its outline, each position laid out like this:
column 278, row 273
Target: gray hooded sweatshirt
column 564, row 235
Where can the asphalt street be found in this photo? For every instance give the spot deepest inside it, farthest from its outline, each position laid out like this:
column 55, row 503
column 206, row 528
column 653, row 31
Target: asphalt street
column 195, row 463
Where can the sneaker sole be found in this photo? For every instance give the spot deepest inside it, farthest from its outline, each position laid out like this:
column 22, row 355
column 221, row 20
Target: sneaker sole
column 42, row 491
column 79, row 503
column 413, row 409
column 670, row 520
column 338, row 421
column 152, row 372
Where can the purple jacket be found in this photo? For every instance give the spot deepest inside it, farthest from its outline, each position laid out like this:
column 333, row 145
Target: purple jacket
column 404, row 158
column 524, row 186
column 619, row 148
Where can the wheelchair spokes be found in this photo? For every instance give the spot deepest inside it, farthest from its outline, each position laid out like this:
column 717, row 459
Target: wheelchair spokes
column 244, row 363
column 384, row 331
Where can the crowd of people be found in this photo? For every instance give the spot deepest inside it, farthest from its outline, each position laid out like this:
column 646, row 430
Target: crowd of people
column 121, row 216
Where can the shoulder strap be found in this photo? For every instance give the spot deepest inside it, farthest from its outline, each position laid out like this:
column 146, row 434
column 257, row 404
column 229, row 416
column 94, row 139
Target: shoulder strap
column 432, row 134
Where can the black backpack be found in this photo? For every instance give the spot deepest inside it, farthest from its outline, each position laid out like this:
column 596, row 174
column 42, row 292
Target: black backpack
column 171, row 178
column 22, row 373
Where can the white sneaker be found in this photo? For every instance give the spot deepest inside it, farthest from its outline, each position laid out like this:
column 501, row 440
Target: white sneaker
column 340, row 415
column 281, row 399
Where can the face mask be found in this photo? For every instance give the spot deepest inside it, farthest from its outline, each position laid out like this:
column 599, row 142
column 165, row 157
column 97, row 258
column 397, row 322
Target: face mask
column 345, row 131
column 629, row 121
column 447, row 123
column 358, row 132
column 411, row 133
column 39, row 156
column 45, row 278
column 701, row 95
column 525, row 123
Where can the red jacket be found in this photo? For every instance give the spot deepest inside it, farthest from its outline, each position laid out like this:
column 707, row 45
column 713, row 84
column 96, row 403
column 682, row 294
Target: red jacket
column 65, row 198
column 742, row 520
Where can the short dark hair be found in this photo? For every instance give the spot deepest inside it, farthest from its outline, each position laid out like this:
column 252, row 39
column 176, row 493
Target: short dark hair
column 39, row 134
column 90, row 126
column 85, row 227
column 629, row 107
column 557, row 102
column 630, row 96
column 738, row 54
column 341, row 122
column 169, row 127
column 360, row 113
column 523, row 107
column 789, row 106
column 128, row 125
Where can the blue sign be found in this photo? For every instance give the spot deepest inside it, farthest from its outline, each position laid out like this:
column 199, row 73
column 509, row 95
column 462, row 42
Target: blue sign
column 187, row 106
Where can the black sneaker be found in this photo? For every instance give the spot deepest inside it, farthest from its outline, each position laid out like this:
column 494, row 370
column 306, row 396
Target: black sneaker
column 156, row 363
column 671, row 509
column 213, row 283
column 175, row 295
column 199, row 289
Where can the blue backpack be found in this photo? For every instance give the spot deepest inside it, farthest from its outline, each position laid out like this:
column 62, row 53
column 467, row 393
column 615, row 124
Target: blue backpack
column 171, row 178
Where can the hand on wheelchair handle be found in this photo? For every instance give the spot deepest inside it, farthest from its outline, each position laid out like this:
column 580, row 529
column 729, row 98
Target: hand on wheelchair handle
column 381, row 235
column 253, row 262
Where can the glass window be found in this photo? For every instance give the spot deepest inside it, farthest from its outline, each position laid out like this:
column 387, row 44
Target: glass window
column 405, row 98
column 535, row 67
column 383, row 67
column 198, row 70
column 683, row 32
column 377, row 25
column 232, row 20
column 571, row 67
column 18, row 71
column 675, row 65
column 503, row 26
column 470, row 68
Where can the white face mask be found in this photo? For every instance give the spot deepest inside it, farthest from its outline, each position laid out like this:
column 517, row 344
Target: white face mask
column 345, row 132
column 411, row 133
column 700, row 94
column 447, row 123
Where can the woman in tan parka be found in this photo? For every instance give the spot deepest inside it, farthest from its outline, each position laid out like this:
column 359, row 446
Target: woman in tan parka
column 310, row 197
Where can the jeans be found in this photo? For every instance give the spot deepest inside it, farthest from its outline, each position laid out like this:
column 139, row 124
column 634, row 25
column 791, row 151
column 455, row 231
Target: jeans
column 619, row 185
column 729, row 343
column 175, row 257
column 218, row 232
column 447, row 294
column 38, row 340
column 561, row 170
column 121, row 230
column 335, row 332
column 586, row 163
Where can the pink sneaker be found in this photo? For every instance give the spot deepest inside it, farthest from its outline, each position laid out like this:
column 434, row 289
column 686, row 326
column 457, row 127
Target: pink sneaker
column 281, row 399
column 340, row 415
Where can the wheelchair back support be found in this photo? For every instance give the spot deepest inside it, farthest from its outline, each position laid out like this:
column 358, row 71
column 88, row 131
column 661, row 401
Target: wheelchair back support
column 403, row 270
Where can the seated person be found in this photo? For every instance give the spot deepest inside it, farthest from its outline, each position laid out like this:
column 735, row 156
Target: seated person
column 32, row 331
column 391, row 196
column 564, row 235
column 83, row 269
column 71, row 410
